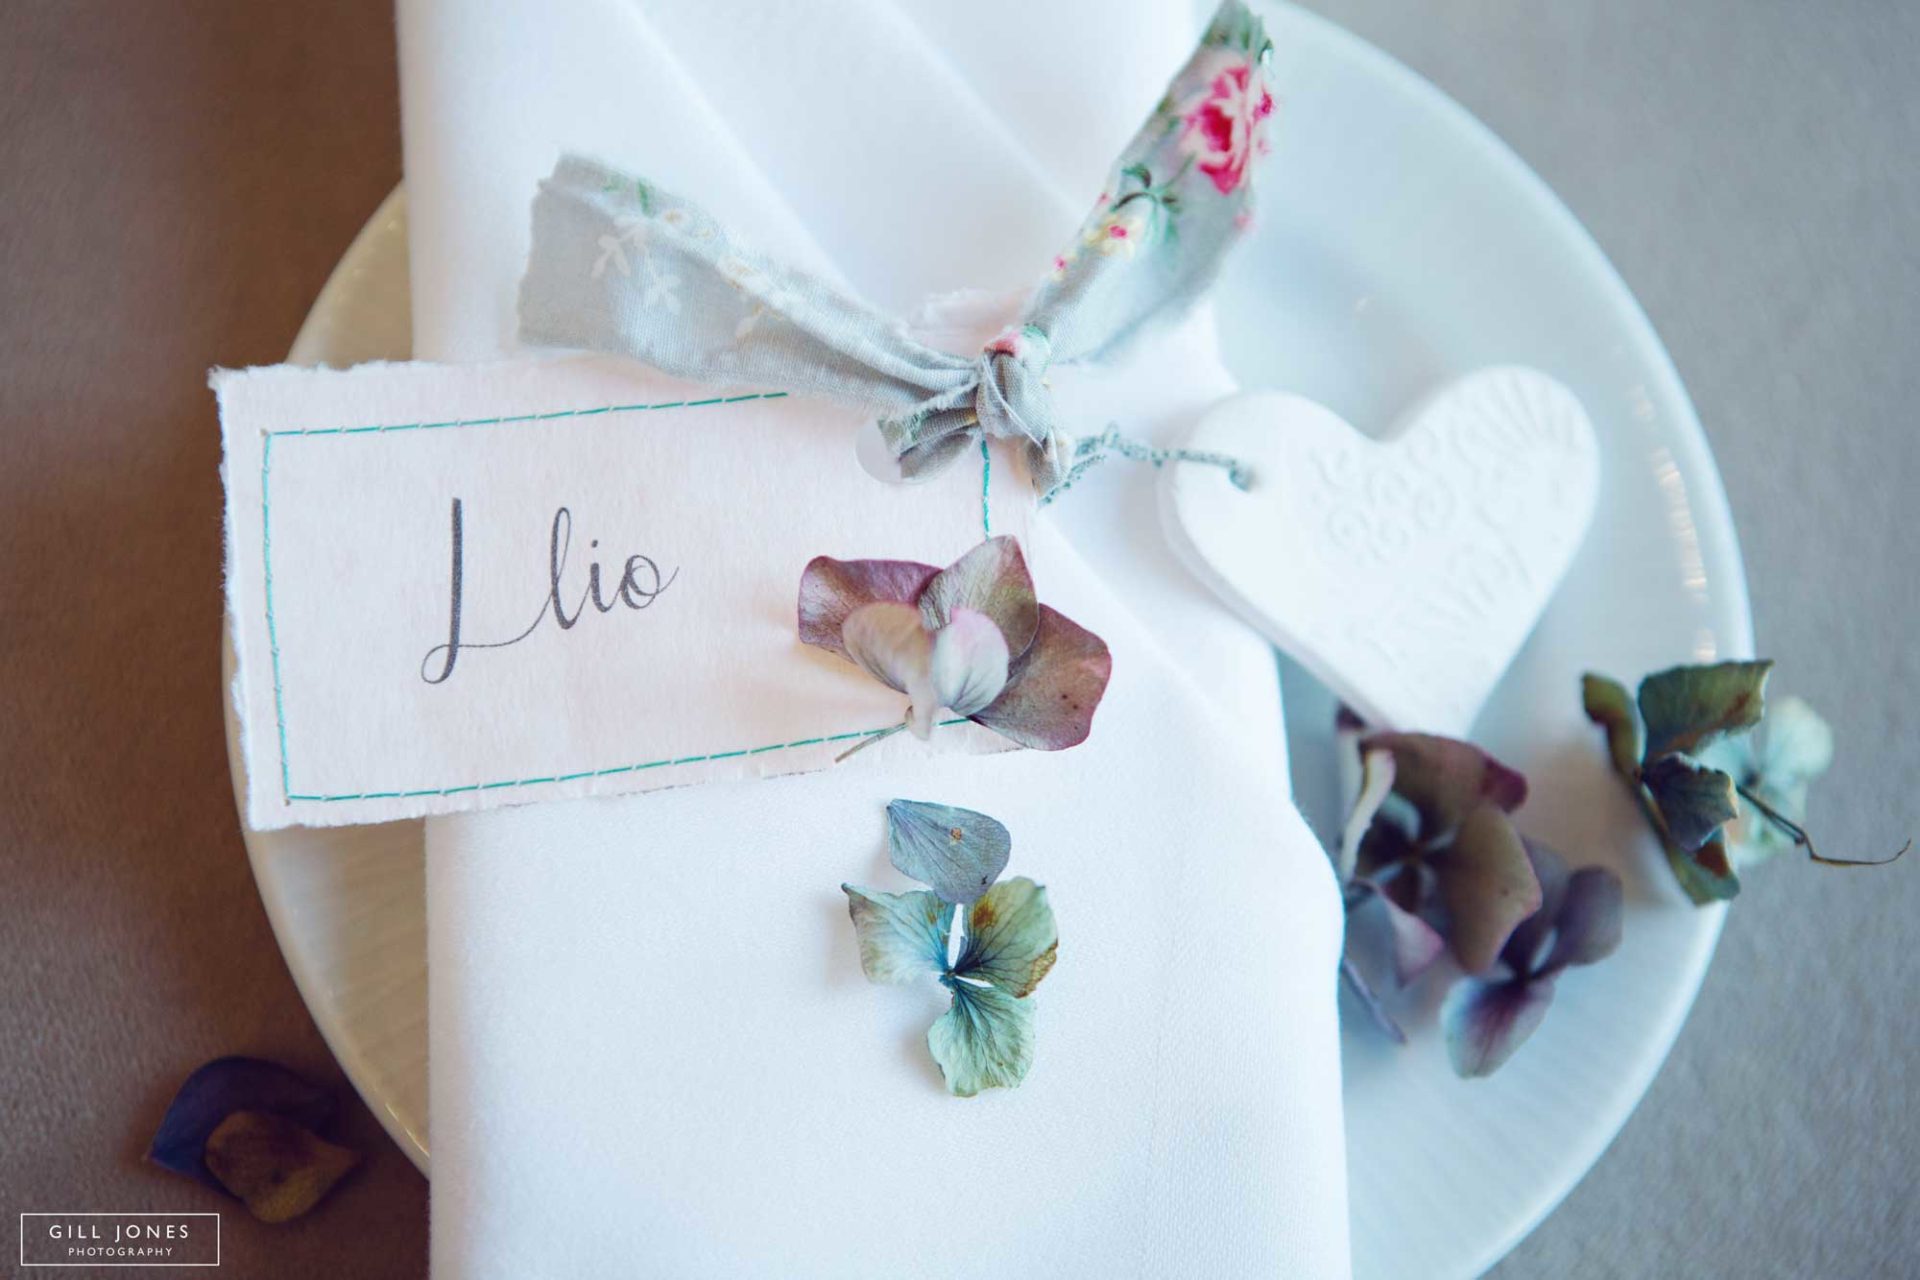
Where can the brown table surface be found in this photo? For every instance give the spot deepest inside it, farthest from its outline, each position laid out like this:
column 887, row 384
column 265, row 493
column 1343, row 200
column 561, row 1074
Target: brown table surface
column 177, row 177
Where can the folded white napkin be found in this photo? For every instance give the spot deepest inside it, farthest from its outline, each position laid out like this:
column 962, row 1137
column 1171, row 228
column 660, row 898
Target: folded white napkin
column 652, row 1051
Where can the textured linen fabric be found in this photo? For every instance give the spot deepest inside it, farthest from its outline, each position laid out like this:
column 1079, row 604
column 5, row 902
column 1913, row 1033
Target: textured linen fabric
column 652, row 1010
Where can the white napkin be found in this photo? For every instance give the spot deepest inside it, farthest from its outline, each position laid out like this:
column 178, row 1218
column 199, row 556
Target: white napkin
column 651, row 1047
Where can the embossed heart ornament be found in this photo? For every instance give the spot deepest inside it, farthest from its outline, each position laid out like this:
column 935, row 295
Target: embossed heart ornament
column 1405, row 573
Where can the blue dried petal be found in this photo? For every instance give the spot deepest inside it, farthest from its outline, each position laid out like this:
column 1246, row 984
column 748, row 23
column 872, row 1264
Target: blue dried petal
column 984, row 1040
column 219, row 1089
column 958, row 852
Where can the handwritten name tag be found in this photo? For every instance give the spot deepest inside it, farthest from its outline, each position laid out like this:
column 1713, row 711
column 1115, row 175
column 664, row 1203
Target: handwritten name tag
column 459, row 587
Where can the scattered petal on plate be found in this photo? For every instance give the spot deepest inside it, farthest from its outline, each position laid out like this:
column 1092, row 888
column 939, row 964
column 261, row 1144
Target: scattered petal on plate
column 969, row 662
column 1446, row 779
column 1053, row 688
column 1362, row 991
column 279, row 1168
column 831, row 590
column 1694, row 801
column 1376, row 784
column 958, row 852
column 1484, row 1022
column 1413, row 943
column 216, row 1091
column 1488, row 886
column 983, row 1041
column 1011, row 939
column 991, row 579
column 1688, row 708
column 1588, row 925
column 903, row 936
column 1608, row 705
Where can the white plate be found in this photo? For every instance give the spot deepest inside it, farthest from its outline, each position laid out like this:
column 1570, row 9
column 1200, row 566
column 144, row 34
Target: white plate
column 1401, row 244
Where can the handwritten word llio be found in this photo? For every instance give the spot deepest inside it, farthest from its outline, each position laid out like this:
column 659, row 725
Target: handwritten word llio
column 640, row 585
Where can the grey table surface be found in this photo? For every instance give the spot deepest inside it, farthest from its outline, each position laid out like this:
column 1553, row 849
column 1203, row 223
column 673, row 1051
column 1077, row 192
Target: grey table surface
column 177, row 178
column 1752, row 167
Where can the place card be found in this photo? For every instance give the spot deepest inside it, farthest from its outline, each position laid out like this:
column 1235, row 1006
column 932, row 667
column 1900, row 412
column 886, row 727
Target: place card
column 458, row 587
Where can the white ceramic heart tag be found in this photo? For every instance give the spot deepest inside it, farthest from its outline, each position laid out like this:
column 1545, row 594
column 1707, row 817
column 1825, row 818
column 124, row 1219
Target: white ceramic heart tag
column 1404, row 573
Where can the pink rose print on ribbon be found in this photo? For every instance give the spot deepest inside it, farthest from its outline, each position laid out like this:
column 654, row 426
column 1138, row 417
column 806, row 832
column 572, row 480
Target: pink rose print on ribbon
column 1221, row 128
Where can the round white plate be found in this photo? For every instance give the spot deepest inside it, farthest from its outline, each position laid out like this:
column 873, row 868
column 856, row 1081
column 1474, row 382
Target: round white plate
column 1401, row 245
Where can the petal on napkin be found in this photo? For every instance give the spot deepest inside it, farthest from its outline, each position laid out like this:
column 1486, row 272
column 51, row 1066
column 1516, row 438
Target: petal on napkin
column 969, row 663
column 1446, row 779
column 889, row 642
column 1484, row 1022
column 1053, row 688
column 1687, row 708
column 1011, row 939
column 1694, row 801
column 279, row 1168
column 216, row 1091
column 903, row 936
column 983, row 1041
column 1488, row 886
column 831, row 590
column 991, row 579
column 958, row 852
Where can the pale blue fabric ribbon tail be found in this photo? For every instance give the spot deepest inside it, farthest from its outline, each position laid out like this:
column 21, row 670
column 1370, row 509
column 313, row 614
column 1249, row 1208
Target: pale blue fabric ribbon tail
column 621, row 266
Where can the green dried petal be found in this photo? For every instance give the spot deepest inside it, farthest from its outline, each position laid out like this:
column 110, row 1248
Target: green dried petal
column 903, row 936
column 1687, row 708
column 1694, row 801
column 1488, row 885
column 1609, row 705
column 983, row 1041
column 1011, row 939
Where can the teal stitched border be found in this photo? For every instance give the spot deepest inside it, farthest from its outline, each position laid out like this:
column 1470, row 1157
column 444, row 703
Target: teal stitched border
column 288, row 795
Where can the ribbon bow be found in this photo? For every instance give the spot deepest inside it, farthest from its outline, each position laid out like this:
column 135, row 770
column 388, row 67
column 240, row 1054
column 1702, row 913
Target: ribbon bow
column 621, row 266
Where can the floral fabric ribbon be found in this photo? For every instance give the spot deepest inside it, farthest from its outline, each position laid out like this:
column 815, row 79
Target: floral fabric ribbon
column 621, row 266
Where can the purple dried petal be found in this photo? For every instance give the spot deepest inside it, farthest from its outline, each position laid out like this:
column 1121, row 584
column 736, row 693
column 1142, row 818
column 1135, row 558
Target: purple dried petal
column 888, row 641
column 830, row 591
column 1588, row 926
column 1484, row 1022
column 279, row 1168
column 969, row 662
column 991, row 579
column 1488, row 886
column 1414, row 944
column 1528, row 941
column 1364, row 993
column 216, row 1091
column 1446, row 779
column 1054, row 687
column 1694, row 801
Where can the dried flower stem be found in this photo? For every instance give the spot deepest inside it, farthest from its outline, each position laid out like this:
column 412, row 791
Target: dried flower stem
column 868, row 741
column 1805, row 841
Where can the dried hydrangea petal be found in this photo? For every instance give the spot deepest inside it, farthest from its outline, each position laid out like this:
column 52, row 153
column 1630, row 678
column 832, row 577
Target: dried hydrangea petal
column 1706, row 874
column 983, row 1041
column 888, row 641
column 1446, row 779
column 1608, row 705
column 1413, row 943
column 1488, row 886
column 958, row 852
column 903, row 936
column 1685, row 709
column 1694, row 801
column 1053, row 688
column 1589, row 923
column 1484, row 1022
column 1011, row 939
column 991, row 579
column 969, row 663
column 218, row 1089
column 1375, row 785
column 831, row 590
column 1362, row 991
column 279, row 1168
